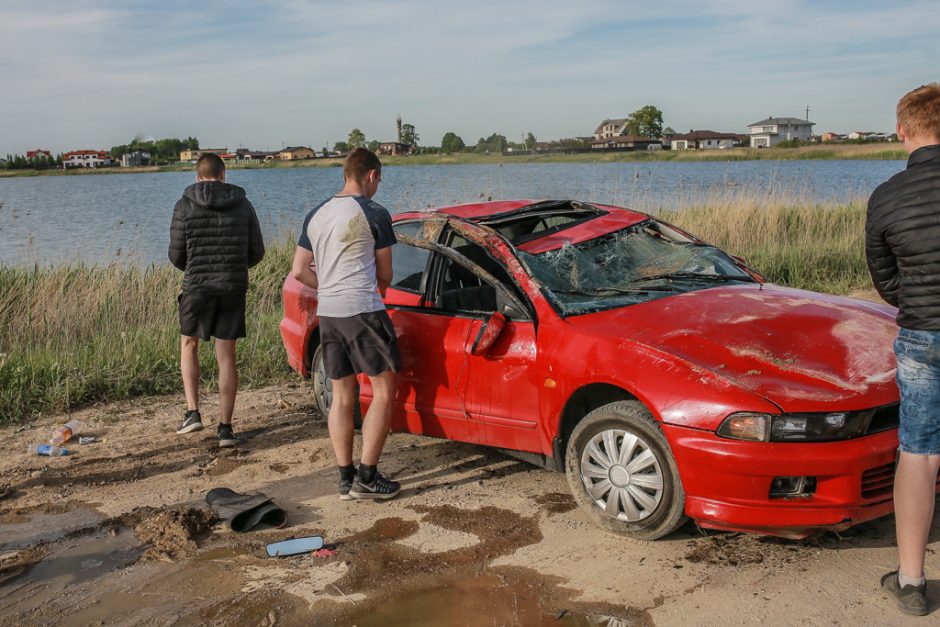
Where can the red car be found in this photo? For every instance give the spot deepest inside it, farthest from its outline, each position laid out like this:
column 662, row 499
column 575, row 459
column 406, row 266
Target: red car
column 662, row 375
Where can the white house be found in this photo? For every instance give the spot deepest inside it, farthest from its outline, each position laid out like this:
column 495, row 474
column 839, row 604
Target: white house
column 86, row 159
column 704, row 140
column 611, row 128
column 772, row 131
column 135, row 159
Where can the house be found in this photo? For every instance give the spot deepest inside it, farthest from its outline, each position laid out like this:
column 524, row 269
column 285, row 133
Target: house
column 704, row 140
column 86, row 159
column 135, row 159
column 626, row 142
column 829, row 136
column 393, row 148
column 771, row 131
column 39, row 154
column 293, row 153
column 611, row 128
column 193, row 155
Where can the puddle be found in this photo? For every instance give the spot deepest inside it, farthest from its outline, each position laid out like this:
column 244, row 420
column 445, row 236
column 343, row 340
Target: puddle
column 72, row 562
column 484, row 601
column 30, row 528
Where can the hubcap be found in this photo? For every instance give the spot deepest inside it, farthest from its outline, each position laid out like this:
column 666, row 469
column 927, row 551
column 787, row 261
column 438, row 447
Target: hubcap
column 622, row 475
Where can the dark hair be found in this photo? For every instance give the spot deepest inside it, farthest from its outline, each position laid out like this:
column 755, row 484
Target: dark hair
column 919, row 112
column 358, row 164
column 210, row 166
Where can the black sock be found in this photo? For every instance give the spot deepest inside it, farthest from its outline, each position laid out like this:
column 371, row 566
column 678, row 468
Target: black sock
column 347, row 473
column 366, row 473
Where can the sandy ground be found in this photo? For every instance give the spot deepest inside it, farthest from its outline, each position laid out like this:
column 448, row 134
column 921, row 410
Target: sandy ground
column 118, row 534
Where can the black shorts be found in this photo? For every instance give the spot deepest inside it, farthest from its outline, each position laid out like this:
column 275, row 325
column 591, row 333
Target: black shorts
column 361, row 344
column 221, row 316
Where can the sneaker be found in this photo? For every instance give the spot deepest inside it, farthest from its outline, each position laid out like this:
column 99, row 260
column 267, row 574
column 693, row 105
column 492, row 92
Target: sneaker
column 910, row 599
column 380, row 488
column 226, row 437
column 192, row 421
column 345, row 485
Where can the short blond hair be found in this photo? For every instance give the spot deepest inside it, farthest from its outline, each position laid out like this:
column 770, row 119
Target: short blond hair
column 919, row 111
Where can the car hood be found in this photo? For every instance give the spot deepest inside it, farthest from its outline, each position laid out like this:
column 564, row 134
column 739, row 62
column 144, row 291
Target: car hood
column 801, row 350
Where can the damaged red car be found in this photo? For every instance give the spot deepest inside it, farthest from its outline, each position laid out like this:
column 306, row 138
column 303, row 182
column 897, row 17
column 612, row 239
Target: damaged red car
column 665, row 377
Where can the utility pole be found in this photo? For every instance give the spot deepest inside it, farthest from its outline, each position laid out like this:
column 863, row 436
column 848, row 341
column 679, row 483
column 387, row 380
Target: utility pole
column 807, row 113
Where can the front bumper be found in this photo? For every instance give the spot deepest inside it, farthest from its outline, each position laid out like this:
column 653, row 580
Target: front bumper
column 727, row 482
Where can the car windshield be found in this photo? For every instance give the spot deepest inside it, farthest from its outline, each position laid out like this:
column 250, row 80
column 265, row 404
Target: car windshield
column 637, row 264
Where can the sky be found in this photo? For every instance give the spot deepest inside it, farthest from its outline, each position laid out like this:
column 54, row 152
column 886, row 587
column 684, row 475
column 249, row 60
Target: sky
column 263, row 74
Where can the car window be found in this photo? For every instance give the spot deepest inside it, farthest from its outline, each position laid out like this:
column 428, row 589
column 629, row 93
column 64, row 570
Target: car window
column 409, row 262
column 463, row 290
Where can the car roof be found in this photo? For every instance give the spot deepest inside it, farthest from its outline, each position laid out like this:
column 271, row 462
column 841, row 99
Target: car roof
column 610, row 219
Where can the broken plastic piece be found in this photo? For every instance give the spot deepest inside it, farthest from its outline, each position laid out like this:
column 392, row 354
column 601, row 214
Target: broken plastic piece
column 295, row 546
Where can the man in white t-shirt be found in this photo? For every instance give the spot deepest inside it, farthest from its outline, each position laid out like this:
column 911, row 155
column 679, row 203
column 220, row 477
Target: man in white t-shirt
column 349, row 238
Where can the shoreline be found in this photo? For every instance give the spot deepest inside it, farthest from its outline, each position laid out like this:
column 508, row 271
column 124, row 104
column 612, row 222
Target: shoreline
column 835, row 152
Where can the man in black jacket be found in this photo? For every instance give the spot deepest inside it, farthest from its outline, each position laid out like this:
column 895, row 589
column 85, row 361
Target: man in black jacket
column 902, row 237
column 214, row 238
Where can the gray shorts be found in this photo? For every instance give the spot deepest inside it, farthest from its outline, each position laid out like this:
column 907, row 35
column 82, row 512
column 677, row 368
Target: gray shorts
column 360, row 344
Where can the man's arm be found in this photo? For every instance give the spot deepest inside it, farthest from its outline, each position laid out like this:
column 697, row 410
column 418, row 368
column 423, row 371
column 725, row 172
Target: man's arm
column 301, row 267
column 882, row 264
column 177, row 250
column 255, row 240
column 383, row 268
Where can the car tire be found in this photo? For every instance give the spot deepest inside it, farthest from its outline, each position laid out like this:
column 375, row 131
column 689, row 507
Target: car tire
column 323, row 388
column 639, row 493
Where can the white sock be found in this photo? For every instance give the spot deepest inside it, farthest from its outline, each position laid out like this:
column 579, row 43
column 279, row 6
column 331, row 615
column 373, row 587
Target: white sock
column 904, row 580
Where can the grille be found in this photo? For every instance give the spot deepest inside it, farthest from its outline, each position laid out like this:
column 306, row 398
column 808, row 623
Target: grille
column 884, row 418
column 877, row 482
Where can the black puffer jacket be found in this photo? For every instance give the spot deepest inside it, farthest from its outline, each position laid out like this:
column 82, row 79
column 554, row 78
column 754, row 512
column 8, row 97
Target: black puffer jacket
column 902, row 240
column 215, row 237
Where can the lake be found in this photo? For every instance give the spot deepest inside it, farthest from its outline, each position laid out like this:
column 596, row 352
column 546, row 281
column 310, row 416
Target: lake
column 125, row 218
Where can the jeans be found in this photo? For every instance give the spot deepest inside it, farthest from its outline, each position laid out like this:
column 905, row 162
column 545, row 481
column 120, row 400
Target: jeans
column 918, row 377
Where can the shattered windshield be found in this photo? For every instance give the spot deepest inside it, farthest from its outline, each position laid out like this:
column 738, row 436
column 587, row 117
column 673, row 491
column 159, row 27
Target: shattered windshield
column 633, row 265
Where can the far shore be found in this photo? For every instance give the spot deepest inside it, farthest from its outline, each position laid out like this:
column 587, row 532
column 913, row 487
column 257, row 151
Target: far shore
column 878, row 151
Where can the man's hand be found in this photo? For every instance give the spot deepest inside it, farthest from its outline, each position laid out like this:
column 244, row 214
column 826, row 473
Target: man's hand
column 301, row 268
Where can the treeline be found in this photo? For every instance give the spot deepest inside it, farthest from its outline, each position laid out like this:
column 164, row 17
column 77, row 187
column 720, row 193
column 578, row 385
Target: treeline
column 38, row 162
column 162, row 151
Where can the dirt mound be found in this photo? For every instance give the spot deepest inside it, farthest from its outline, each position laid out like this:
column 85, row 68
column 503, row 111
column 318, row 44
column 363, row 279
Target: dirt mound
column 172, row 533
column 740, row 549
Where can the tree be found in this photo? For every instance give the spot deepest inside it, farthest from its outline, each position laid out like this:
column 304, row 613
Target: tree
column 646, row 122
column 373, row 145
column 451, row 142
column 493, row 143
column 357, row 139
column 669, row 131
column 340, row 147
column 530, row 141
column 409, row 135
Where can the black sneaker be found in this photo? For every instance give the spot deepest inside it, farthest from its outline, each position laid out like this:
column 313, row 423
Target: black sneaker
column 380, row 488
column 910, row 599
column 345, row 485
column 192, row 421
column 226, row 437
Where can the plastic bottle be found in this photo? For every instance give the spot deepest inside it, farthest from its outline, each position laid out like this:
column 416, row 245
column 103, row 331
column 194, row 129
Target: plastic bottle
column 47, row 450
column 64, row 433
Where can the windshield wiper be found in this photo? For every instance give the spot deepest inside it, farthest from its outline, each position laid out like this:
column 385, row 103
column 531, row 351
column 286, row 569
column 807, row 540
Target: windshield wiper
column 691, row 276
column 613, row 291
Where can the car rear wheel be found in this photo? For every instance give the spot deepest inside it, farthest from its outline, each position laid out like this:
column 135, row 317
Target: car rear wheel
column 323, row 388
column 622, row 473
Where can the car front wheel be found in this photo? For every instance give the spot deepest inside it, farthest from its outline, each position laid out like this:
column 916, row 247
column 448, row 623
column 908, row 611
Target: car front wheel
column 622, row 473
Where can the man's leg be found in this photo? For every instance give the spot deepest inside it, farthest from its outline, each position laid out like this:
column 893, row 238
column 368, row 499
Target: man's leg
column 915, row 487
column 340, row 420
column 378, row 418
column 189, row 368
column 228, row 379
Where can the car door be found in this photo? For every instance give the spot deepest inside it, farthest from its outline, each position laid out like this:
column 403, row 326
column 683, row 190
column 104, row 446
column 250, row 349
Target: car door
column 501, row 386
column 428, row 400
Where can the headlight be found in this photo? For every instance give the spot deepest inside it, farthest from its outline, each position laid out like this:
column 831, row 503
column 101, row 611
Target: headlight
column 795, row 427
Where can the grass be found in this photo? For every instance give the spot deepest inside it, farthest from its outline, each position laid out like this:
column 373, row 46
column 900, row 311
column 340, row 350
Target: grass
column 78, row 334
column 875, row 151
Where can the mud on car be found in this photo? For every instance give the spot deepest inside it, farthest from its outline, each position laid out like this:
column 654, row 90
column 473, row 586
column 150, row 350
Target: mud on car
column 662, row 375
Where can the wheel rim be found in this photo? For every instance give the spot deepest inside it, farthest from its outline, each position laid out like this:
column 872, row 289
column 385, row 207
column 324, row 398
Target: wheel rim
column 622, row 475
column 324, row 387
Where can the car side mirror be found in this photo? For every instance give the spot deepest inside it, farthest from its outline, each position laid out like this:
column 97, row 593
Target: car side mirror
column 490, row 330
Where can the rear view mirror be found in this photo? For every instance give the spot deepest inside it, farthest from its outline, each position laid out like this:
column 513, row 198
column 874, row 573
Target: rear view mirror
column 489, row 332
